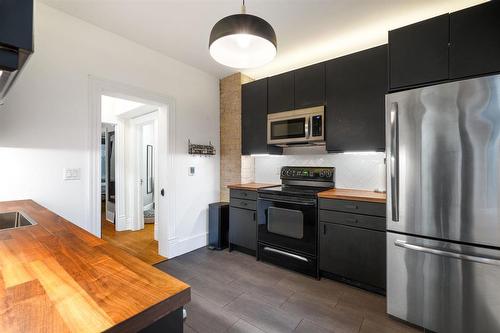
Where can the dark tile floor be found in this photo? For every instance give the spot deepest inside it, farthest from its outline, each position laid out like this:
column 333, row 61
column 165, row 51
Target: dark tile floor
column 232, row 292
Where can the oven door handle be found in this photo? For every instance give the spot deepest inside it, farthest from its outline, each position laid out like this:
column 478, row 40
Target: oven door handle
column 301, row 203
column 291, row 255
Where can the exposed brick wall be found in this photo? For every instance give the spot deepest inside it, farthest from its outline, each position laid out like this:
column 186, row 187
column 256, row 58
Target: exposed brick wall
column 231, row 170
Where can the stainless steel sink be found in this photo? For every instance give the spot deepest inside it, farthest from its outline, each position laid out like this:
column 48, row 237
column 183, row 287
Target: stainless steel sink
column 11, row 220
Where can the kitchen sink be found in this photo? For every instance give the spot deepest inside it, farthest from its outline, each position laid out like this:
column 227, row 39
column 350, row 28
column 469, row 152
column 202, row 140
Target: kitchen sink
column 11, row 220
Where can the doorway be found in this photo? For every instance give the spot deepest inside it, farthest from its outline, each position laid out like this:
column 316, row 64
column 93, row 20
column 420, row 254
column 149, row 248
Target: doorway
column 129, row 135
column 126, row 217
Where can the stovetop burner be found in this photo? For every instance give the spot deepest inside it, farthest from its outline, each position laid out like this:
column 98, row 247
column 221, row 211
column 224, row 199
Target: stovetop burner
column 304, row 191
column 303, row 181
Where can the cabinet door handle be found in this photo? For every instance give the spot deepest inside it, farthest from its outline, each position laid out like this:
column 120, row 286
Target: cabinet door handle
column 324, row 229
column 254, row 216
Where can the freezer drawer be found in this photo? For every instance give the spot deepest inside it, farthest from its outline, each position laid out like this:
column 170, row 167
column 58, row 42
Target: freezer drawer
column 444, row 287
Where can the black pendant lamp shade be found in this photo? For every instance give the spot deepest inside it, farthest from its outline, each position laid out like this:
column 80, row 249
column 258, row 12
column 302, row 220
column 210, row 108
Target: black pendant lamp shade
column 242, row 41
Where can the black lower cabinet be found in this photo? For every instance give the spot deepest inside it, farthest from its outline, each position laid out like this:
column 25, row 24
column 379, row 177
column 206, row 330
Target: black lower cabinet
column 354, row 254
column 352, row 242
column 243, row 221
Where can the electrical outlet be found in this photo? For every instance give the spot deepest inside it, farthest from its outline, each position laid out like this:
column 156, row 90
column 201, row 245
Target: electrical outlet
column 191, row 171
column 71, row 174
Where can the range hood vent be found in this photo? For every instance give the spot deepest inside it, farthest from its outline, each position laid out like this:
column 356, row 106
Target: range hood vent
column 16, row 40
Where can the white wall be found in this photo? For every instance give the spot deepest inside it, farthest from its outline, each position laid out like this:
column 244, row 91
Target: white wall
column 44, row 124
column 353, row 170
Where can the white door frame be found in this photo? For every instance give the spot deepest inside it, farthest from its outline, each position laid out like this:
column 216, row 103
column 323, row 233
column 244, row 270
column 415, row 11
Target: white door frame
column 166, row 143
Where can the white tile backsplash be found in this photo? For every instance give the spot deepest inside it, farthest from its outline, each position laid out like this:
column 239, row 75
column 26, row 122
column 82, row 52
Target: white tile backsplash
column 364, row 171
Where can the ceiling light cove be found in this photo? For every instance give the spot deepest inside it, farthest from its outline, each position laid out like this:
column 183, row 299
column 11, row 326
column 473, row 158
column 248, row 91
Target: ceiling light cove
column 243, row 41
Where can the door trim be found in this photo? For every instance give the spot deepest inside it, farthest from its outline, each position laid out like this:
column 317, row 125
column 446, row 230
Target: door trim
column 166, row 143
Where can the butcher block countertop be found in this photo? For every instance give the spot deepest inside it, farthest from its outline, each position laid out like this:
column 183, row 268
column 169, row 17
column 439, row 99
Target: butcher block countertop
column 57, row 277
column 250, row 186
column 355, row 195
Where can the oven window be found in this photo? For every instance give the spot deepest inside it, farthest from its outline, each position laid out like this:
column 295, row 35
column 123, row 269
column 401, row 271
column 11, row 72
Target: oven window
column 285, row 222
column 288, row 129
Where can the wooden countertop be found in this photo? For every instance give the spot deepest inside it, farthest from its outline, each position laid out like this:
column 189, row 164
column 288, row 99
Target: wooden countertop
column 355, row 195
column 57, row 277
column 250, row 186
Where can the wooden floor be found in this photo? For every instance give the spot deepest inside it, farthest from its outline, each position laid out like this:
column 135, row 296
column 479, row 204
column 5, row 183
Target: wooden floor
column 232, row 292
column 140, row 244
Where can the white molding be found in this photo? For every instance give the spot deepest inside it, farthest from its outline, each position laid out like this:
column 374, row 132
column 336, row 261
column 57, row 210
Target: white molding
column 179, row 247
column 98, row 87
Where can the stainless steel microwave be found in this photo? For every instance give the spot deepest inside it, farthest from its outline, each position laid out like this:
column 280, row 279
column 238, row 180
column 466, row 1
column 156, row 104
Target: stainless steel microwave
column 297, row 126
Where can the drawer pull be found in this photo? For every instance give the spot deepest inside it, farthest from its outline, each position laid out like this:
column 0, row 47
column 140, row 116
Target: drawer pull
column 351, row 206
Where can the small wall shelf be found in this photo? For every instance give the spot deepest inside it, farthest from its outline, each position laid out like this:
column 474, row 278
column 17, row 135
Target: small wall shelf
column 203, row 150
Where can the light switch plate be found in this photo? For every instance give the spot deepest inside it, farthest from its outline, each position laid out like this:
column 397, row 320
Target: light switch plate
column 71, row 174
column 191, row 171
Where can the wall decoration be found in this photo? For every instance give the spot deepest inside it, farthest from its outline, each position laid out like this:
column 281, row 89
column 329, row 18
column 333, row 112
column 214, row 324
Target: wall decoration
column 204, row 150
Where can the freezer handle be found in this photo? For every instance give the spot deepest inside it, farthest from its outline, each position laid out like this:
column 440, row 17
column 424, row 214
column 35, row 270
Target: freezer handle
column 444, row 253
column 394, row 162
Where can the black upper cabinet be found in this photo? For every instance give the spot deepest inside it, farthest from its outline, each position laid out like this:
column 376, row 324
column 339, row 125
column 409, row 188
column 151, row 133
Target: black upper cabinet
column 254, row 119
column 475, row 40
column 281, row 92
column 418, row 53
column 356, row 85
column 310, row 86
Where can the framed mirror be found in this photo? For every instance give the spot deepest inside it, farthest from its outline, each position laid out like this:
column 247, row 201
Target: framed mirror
column 149, row 169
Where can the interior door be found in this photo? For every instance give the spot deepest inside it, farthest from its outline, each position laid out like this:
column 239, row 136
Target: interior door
column 443, row 145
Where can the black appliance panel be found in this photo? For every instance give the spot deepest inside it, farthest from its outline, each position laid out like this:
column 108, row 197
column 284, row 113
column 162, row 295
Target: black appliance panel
column 292, row 216
column 288, row 129
column 317, row 122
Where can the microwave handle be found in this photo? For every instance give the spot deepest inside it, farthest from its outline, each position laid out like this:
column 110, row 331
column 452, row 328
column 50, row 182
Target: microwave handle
column 307, row 125
column 309, row 121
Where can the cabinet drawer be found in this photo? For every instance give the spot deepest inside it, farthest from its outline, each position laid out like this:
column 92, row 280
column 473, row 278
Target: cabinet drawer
column 242, row 203
column 242, row 228
column 362, row 221
column 356, row 207
column 243, row 194
column 353, row 253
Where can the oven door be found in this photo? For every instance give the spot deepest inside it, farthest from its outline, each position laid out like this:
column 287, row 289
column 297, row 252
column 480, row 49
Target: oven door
column 288, row 223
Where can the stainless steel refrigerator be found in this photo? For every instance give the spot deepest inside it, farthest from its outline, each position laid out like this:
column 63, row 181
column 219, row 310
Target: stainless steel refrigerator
column 443, row 208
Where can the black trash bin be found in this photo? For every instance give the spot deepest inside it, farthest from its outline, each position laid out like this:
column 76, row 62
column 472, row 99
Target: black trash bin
column 218, row 225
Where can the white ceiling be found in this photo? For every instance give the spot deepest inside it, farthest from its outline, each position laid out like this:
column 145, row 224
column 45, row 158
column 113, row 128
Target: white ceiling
column 308, row 31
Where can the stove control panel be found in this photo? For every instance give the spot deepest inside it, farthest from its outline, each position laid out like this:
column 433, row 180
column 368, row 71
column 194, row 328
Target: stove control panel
column 326, row 174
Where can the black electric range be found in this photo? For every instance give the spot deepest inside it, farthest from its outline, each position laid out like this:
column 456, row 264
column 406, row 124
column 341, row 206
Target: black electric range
column 287, row 218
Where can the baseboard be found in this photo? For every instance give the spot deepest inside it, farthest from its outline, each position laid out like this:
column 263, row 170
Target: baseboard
column 177, row 247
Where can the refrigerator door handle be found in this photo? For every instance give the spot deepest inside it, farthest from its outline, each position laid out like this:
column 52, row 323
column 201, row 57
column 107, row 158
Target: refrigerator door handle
column 444, row 253
column 394, row 162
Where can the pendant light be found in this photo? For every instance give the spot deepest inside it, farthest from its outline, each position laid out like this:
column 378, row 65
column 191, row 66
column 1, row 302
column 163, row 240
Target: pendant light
column 242, row 41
